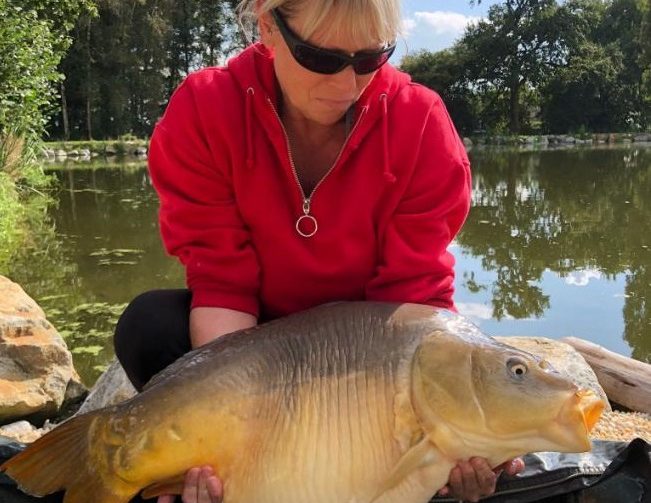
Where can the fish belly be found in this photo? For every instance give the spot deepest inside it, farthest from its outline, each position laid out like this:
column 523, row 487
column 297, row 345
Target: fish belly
column 332, row 441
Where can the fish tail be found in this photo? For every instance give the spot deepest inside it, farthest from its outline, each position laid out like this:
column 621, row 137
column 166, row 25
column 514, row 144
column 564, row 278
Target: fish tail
column 60, row 460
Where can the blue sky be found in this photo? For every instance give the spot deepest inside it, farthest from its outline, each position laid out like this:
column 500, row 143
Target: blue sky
column 436, row 24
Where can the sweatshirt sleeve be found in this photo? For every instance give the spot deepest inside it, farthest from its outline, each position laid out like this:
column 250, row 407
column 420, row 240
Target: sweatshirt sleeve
column 415, row 265
column 199, row 218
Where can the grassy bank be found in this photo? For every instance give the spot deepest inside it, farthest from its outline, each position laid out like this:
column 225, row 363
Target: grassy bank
column 135, row 146
column 10, row 216
column 22, row 182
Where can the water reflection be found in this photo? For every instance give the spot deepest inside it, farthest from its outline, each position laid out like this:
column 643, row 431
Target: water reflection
column 98, row 247
column 569, row 212
column 556, row 240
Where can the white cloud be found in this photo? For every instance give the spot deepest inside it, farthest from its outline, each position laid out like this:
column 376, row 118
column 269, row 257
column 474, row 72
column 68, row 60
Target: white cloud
column 582, row 278
column 445, row 22
column 408, row 24
column 474, row 310
column 432, row 30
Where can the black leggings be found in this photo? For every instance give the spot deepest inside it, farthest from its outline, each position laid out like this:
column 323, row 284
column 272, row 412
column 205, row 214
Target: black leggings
column 152, row 333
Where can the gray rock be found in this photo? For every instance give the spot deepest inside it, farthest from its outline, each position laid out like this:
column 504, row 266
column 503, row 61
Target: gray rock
column 112, row 387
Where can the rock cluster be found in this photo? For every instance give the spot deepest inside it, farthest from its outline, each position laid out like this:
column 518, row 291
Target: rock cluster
column 560, row 140
column 91, row 150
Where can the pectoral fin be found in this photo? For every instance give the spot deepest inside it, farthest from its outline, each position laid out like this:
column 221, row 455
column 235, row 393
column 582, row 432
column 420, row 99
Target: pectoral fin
column 418, row 456
column 173, row 485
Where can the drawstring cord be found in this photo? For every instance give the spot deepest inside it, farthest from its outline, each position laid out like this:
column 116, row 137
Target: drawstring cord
column 388, row 175
column 249, row 127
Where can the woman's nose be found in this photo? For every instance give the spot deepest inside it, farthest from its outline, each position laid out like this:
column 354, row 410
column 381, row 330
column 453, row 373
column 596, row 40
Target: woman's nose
column 345, row 80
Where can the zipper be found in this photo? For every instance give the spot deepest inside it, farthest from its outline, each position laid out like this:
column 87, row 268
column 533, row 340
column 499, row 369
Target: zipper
column 307, row 200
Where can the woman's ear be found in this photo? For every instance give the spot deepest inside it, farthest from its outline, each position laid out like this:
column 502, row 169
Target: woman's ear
column 266, row 27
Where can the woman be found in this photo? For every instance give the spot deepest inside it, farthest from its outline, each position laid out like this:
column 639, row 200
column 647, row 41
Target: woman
column 304, row 171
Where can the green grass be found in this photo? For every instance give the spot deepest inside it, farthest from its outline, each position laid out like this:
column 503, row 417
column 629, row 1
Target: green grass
column 10, row 216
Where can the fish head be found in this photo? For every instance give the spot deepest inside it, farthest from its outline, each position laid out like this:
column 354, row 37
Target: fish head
column 478, row 397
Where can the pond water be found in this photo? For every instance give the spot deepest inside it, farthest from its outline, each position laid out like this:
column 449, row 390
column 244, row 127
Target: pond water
column 558, row 243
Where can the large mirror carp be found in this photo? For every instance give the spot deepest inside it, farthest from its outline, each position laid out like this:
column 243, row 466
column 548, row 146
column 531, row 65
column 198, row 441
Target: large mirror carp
column 354, row 402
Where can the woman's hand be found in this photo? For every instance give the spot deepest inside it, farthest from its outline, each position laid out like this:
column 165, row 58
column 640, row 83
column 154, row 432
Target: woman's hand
column 473, row 479
column 201, row 486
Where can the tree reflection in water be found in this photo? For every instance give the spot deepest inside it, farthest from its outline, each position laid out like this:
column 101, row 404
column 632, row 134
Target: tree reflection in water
column 563, row 211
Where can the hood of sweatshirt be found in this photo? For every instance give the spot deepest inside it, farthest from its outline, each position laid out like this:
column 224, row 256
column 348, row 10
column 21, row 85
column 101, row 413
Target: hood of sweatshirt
column 253, row 70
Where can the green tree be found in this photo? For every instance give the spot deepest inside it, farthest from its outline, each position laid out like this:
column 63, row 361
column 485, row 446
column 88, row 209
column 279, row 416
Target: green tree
column 586, row 93
column 645, row 59
column 33, row 39
column 621, row 30
column 126, row 62
column 27, row 71
column 445, row 72
column 519, row 43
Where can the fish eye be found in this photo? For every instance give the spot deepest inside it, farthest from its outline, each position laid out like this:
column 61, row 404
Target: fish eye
column 517, row 368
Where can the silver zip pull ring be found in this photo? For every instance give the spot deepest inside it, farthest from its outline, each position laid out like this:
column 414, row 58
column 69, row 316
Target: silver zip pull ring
column 306, row 217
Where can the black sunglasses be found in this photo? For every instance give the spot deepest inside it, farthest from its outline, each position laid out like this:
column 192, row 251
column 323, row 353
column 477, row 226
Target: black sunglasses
column 325, row 61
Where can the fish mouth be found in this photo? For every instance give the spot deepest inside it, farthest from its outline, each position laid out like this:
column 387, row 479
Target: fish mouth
column 591, row 407
column 577, row 417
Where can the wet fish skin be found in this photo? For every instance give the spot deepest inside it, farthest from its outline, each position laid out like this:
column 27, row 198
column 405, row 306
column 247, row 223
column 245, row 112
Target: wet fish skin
column 355, row 402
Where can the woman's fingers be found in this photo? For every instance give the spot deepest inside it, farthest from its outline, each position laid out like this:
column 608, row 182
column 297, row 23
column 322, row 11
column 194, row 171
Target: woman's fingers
column 514, row 466
column 191, row 488
column 470, row 480
column 485, row 476
column 209, row 486
column 215, row 487
column 510, row 467
column 166, row 498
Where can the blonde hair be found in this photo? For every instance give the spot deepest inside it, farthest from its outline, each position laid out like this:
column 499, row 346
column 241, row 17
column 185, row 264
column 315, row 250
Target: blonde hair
column 361, row 20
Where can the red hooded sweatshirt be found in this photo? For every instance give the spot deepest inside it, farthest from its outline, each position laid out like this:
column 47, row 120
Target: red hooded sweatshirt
column 229, row 198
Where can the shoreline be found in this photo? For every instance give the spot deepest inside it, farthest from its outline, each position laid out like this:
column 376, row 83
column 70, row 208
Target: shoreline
column 61, row 151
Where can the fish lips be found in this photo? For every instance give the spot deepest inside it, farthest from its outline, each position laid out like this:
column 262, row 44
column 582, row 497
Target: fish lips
column 578, row 415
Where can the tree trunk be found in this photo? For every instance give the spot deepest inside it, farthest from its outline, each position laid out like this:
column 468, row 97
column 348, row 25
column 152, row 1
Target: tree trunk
column 64, row 113
column 514, row 107
column 626, row 381
column 187, row 56
column 89, row 121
